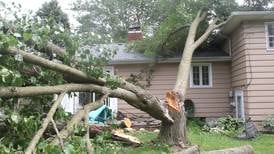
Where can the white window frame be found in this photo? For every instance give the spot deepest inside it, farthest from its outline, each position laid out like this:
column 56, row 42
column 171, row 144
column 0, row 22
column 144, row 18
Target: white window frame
column 267, row 36
column 241, row 94
column 200, row 72
column 111, row 102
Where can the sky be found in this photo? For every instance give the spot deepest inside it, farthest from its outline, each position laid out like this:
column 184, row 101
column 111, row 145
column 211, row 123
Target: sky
column 34, row 5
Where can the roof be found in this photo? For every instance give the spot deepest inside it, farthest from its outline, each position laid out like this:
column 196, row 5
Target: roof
column 236, row 18
column 125, row 55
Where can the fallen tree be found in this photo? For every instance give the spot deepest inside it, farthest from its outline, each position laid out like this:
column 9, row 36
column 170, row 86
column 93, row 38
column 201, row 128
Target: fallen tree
column 171, row 112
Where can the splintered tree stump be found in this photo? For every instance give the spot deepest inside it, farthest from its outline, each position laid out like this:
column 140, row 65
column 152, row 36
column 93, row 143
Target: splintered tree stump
column 172, row 101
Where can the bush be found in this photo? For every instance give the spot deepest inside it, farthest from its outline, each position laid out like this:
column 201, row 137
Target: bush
column 226, row 125
column 268, row 123
column 229, row 123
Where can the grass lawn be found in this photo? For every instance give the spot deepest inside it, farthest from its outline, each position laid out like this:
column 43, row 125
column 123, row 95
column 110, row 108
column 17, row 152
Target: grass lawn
column 263, row 144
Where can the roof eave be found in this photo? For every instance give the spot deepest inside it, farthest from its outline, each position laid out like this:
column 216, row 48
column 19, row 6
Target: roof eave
column 172, row 60
column 237, row 17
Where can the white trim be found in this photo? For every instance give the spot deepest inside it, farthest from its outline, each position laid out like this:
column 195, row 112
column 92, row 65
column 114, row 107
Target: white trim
column 200, row 72
column 268, row 48
column 171, row 60
column 133, row 32
column 241, row 94
column 111, row 102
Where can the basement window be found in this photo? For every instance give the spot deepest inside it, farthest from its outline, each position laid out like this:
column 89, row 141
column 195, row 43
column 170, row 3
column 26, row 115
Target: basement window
column 270, row 35
column 201, row 76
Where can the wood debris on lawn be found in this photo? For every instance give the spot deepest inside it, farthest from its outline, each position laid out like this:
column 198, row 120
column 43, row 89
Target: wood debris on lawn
column 121, row 136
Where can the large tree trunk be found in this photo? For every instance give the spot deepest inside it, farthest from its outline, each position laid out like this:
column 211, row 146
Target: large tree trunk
column 175, row 134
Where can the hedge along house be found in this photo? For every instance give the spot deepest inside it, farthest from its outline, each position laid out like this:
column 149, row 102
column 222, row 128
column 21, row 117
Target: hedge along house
column 234, row 77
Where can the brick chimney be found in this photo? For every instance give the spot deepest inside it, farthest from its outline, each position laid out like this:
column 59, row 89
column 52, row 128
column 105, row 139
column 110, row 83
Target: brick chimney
column 135, row 33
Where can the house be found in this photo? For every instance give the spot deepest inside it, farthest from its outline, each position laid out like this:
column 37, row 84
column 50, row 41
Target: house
column 236, row 78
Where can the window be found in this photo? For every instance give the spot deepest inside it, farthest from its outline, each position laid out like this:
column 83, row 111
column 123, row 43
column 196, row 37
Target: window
column 200, row 75
column 270, row 35
column 239, row 100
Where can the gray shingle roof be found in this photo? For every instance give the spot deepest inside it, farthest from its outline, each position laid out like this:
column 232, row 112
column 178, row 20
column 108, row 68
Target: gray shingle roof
column 125, row 55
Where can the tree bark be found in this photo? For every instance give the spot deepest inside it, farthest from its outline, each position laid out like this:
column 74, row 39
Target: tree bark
column 87, row 137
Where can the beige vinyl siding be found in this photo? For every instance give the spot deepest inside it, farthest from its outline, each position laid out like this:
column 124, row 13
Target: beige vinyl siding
column 209, row 102
column 260, row 71
column 239, row 62
column 239, row 69
column 238, row 72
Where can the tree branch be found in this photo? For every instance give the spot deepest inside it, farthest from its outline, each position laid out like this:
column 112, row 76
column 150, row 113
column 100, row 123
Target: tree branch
column 201, row 15
column 67, row 131
column 172, row 33
column 87, row 137
column 45, row 123
column 7, row 92
column 151, row 104
column 58, row 135
column 33, row 59
column 212, row 26
column 50, row 47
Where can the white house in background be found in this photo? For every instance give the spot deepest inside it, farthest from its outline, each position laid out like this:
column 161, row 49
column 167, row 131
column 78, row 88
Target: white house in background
column 72, row 102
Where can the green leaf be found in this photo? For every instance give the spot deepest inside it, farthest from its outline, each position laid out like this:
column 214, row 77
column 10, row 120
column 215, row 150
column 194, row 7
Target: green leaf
column 15, row 118
column 12, row 41
column 27, row 36
column 33, row 80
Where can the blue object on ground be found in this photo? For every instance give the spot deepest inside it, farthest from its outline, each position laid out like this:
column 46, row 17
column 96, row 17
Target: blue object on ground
column 100, row 115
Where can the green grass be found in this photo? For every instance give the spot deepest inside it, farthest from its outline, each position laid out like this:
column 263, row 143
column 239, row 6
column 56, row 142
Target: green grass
column 263, row 144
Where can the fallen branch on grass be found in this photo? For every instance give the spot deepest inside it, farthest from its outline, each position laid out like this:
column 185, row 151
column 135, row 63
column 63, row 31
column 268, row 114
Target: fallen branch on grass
column 121, row 136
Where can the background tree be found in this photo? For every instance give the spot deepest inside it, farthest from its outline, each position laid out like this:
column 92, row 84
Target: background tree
column 257, row 5
column 52, row 12
column 111, row 19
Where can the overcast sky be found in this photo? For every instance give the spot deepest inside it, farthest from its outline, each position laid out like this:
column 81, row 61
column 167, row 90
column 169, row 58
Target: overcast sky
column 34, row 5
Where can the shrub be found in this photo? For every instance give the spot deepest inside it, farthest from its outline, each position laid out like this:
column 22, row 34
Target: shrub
column 268, row 123
column 229, row 123
column 226, row 125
